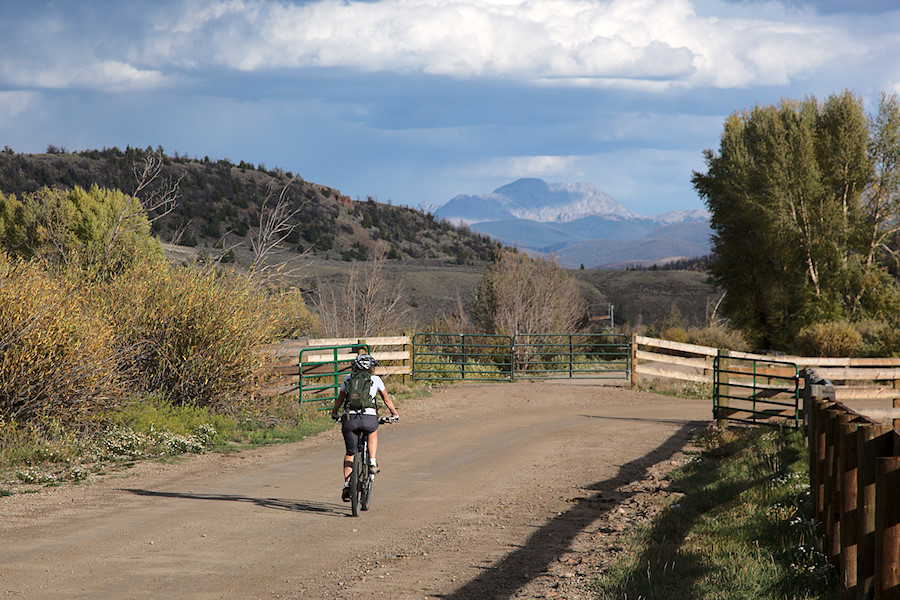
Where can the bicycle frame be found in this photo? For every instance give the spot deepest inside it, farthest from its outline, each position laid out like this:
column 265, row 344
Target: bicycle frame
column 361, row 479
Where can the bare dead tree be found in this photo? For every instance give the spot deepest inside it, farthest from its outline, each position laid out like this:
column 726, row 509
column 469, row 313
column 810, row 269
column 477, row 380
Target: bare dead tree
column 159, row 194
column 368, row 304
column 518, row 294
column 156, row 195
column 277, row 212
column 712, row 310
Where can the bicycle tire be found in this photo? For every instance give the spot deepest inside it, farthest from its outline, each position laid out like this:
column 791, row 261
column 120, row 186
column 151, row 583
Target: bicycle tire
column 365, row 483
column 354, row 485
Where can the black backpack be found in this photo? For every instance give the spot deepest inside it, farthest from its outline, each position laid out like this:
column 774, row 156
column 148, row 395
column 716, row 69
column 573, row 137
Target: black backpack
column 358, row 388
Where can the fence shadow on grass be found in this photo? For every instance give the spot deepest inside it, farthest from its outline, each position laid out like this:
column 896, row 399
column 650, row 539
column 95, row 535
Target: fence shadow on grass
column 549, row 542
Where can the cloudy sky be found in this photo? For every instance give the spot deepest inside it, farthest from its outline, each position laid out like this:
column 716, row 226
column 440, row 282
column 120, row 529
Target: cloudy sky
column 416, row 101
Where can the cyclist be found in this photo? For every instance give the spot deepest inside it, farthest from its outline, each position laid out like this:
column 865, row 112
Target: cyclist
column 362, row 417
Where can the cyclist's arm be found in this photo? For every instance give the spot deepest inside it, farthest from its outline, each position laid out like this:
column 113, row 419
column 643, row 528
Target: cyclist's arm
column 337, row 403
column 388, row 402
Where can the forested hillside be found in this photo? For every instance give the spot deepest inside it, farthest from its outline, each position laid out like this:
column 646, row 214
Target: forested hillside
column 219, row 203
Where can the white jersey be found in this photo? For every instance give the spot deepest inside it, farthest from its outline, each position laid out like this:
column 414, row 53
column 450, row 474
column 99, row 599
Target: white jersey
column 377, row 386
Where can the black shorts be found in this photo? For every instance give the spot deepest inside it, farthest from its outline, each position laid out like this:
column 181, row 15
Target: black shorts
column 350, row 427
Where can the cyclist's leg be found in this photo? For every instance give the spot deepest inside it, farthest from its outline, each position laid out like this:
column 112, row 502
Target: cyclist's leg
column 350, row 430
column 348, row 466
column 373, row 444
column 371, row 426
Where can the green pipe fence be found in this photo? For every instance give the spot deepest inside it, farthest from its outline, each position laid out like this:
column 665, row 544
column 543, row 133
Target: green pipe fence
column 571, row 355
column 482, row 357
column 452, row 356
column 323, row 371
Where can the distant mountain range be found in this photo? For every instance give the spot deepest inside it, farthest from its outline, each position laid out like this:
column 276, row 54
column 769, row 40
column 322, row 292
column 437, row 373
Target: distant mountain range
column 580, row 225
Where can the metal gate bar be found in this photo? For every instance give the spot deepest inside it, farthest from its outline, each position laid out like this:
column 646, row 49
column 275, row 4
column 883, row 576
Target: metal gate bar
column 453, row 356
column 754, row 391
column 570, row 355
column 483, row 357
column 323, row 370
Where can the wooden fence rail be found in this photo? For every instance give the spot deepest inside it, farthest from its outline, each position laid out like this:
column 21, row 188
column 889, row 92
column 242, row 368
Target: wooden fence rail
column 873, row 382
column 394, row 354
column 855, row 483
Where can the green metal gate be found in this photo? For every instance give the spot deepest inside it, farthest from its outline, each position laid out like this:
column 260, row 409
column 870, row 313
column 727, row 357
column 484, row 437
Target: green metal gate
column 755, row 391
column 452, row 356
column 572, row 356
column 324, row 370
column 481, row 357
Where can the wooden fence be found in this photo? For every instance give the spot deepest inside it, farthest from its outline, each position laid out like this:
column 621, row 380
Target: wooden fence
column 871, row 385
column 855, row 483
column 394, row 354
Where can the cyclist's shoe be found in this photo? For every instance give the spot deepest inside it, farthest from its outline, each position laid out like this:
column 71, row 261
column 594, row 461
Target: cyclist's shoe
column 345, row 494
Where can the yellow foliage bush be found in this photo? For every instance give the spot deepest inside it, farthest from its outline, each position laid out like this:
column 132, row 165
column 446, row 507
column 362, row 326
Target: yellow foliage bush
column 293, row 318
column 57, row 355
column 190, row 336
column 718, row 336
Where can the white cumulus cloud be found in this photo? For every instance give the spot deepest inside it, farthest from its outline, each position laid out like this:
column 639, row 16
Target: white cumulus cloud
column 577, row 41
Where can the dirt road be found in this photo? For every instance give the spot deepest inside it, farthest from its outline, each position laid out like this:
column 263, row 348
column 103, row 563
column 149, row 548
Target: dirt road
column 486, row 491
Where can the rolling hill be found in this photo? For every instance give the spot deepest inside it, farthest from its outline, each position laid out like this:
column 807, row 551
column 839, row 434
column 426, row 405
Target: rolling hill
column 221, row 204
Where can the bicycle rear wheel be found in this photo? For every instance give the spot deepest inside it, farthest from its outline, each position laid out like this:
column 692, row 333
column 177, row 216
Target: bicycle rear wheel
column 366, row 481
column 354, row 484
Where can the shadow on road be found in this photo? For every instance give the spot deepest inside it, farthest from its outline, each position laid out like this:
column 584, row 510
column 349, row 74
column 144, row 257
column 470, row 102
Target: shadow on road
column 325, row 508
column 641, row 419
column 549, row 542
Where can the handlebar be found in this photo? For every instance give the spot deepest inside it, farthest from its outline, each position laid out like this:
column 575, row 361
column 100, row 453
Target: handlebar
column 381, row 420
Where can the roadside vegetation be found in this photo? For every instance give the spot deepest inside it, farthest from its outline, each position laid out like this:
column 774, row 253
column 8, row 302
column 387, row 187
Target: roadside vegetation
column 109, row 354
column 803, row 201
column 739, row 526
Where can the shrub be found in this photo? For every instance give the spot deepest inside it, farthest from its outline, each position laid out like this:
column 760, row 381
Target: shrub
column 57, row 355
column 675, row 334
column 718, row 336
column 35, row 442
column 518, row 294
column 830, row 338
column 103, row 229
column 191, row 336
column 880, row 338
column 293, row 318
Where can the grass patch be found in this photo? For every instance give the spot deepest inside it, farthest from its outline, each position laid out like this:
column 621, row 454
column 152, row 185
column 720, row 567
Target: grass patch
column 46, row 452
column 678, row 389
column 742, row 528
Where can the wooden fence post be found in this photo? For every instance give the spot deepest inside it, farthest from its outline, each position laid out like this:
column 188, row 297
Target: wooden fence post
column 896, row 404
column 818, row 426
column 633, row 358
column 832, row 488
column 849, row 522
column 873, row 441
column 887, row 528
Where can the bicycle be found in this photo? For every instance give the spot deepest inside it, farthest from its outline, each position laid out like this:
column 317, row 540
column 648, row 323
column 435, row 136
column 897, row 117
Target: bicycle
column 361, row 478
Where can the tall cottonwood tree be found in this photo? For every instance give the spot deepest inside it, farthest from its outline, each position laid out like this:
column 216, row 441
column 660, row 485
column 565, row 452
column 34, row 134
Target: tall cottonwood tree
column 801, row 195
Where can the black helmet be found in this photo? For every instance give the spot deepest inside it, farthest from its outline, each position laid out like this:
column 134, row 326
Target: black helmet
column 364, row 362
